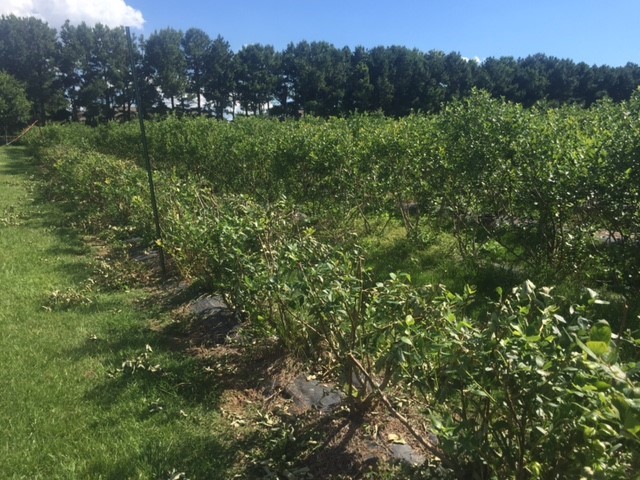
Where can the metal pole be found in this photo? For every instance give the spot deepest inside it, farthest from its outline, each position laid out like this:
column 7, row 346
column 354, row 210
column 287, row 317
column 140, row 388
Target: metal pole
column 147, row 160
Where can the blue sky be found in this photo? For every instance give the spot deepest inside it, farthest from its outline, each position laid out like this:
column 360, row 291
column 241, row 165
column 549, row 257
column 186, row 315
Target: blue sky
column 594, row 31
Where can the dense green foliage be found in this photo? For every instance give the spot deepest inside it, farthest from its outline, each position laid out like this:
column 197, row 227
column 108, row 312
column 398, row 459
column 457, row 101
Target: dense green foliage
column 270, row 214
column 527, row 188
column 28, row 52
column 82, row 72
column 14, row 106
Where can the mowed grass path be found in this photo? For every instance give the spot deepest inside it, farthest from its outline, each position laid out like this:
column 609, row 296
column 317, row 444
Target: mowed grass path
column 67, row 409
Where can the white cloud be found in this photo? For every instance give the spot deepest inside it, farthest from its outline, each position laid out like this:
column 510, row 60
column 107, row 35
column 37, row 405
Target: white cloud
column 476, row 59
column 112, row 13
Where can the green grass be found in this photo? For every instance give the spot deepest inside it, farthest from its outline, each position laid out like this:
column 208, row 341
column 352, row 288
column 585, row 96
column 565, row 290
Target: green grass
column 67, row 410
column 435, row 260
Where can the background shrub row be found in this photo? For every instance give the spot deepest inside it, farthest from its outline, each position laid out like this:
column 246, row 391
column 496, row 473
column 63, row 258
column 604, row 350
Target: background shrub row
column 536, row 186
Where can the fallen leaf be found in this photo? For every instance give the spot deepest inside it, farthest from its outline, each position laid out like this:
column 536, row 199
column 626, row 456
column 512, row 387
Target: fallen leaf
column 394, row 438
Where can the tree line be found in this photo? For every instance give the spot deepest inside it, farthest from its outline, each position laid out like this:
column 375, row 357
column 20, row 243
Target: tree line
column 82, row 71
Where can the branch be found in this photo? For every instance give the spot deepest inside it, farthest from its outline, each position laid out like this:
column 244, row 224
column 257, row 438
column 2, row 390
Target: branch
column 23, row 133
column 424, row 443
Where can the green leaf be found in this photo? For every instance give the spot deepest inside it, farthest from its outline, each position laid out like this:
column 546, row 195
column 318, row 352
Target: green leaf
column 607, row 429
column 617, row 373
column 409, row 320
column 586, row 349
column 406, row 340
column 599, row 348
column 592, row 293
column 600, row 385
column 529, row 287
column 600, row 332
column 480, row 393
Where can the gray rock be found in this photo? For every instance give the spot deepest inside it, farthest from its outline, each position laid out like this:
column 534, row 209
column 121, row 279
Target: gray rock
column 214, row 318
column 406, row 454
column 208, row 306
column 312, row 394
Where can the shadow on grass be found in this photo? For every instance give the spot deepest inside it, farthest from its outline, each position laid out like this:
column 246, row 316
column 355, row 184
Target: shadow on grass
column 206, row 458
column 148, row 361
column 438, row 262
column 20, row 163
column 155, row 386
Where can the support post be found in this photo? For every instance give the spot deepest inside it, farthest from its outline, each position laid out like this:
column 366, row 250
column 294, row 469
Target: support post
column 147, row 160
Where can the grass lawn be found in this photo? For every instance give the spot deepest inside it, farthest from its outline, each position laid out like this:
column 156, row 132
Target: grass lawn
column 67, row 407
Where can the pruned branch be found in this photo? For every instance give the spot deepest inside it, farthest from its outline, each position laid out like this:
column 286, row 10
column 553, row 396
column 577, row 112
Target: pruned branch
column 428, row 446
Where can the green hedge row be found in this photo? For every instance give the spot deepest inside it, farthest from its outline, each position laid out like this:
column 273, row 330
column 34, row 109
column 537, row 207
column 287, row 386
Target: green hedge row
column 525, row 187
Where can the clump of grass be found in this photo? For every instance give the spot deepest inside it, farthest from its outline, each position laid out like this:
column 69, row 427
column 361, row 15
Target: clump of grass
column 70, row 297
